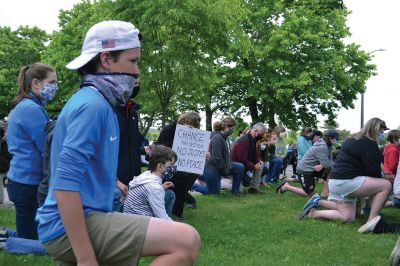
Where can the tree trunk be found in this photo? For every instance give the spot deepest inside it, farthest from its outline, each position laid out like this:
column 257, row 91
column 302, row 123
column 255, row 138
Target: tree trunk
column 271, row 118
column 252, row 104
column 164, row 113
column 209, row 114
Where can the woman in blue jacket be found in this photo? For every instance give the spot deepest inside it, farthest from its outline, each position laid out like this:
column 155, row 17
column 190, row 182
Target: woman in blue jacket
column 304, row 142
column 25, row 139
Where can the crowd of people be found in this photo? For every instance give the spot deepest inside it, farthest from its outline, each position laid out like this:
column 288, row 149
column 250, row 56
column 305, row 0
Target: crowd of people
column 68, row 191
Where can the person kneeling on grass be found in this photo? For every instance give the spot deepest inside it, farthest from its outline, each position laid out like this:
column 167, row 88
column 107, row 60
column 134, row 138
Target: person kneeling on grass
column 315, row 162
column 356, row 174
column 76, row 222
column 147, row 192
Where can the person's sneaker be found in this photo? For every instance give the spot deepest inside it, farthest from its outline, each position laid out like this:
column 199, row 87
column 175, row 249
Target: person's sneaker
column 191, row 205
column 369, row 226
column 237, row 193
column 3, row 241
column 395, row 255
column 179, row 217
column 365, row 211
column 3, row 232
column 255, row 191
column 311, row 203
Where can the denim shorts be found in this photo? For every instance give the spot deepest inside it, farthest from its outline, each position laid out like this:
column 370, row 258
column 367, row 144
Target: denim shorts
column 339, row 189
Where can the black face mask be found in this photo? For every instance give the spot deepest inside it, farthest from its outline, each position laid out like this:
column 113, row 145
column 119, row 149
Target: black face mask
column 258, row 138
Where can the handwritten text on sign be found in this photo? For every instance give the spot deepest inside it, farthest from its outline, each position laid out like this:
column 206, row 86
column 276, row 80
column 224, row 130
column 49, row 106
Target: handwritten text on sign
column 191, row 145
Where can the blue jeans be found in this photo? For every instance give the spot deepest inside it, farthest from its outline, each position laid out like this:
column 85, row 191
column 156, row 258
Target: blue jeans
column 275, row 166
column 213, row 181
column 200, row 188
column 237, row 172
column 169, row 201
column 25, row 201
column 18, row 245
column 118, row 203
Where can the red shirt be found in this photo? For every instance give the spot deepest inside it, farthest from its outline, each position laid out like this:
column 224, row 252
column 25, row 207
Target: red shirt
column 391, row 154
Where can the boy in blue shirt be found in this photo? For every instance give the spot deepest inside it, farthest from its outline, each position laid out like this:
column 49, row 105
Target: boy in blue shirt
column 76, row 223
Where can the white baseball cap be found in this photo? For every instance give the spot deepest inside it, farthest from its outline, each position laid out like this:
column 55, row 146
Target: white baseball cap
column 111, row 35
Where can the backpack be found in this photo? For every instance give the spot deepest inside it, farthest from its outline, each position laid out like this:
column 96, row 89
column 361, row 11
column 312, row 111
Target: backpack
column 43, row 188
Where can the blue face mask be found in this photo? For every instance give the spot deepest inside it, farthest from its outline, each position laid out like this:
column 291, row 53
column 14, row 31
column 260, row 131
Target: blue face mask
column 263, row 146
column 381, row 136
column 48, row 91
column 169, row 173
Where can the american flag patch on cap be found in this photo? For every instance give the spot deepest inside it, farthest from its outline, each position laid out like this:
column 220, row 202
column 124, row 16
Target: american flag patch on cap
column 108, row 43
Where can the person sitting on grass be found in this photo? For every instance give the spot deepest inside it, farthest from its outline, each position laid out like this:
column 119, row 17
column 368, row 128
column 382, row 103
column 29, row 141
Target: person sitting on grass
column 314, row 164
column 356, row 174
column 147, row 192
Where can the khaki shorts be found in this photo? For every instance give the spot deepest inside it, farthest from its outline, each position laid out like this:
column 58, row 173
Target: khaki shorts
column 117, row 239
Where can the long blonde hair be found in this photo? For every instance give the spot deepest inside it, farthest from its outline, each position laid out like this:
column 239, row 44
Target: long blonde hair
column 371, row 129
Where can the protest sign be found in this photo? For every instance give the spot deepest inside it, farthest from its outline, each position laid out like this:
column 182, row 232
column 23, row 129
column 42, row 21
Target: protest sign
column 191, row 145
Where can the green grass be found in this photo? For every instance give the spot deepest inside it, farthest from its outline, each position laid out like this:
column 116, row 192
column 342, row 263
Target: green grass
column 263, row 230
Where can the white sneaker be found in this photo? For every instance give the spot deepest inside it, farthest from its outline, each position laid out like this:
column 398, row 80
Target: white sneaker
column 370, row 226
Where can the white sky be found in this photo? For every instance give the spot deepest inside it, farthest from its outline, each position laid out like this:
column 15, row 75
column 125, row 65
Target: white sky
column 373, row 24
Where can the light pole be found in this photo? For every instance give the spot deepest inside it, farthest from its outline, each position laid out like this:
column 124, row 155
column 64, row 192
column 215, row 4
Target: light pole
column 362, row 94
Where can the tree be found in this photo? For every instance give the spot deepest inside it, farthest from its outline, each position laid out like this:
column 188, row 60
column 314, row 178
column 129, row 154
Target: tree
column 17, row 49
column 298, row 65
column 66, row 45
column 181, row 43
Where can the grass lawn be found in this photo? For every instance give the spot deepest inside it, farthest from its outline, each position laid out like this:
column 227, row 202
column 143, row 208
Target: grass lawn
column 263, row 230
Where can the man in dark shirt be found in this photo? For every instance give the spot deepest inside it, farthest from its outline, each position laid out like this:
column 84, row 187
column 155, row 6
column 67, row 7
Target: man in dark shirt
column 245, row 151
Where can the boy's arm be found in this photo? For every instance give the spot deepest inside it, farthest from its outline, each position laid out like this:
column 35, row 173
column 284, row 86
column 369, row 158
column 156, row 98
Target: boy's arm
column 156, row 200
column 71, row 211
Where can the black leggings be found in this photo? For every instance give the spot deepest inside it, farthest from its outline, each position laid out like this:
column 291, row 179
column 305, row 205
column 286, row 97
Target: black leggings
column 182, row 183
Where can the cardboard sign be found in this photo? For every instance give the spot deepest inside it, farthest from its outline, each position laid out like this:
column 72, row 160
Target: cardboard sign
column 191, row 145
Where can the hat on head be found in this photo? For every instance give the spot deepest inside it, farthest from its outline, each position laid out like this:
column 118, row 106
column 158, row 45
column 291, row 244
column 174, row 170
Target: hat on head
column 111, row 35
column 333, row 134
column 383, row 125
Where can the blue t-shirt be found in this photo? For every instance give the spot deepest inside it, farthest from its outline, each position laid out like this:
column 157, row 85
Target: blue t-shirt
column 84, row 158
column 25, row 139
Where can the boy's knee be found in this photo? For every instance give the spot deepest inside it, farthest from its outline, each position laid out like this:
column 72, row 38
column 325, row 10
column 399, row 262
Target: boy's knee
column 194, row 244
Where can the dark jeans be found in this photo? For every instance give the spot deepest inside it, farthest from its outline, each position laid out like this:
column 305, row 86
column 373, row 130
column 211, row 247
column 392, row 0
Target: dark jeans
column 25, row 201
column 275, row 166
column 237, row 172
column 182, row 183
